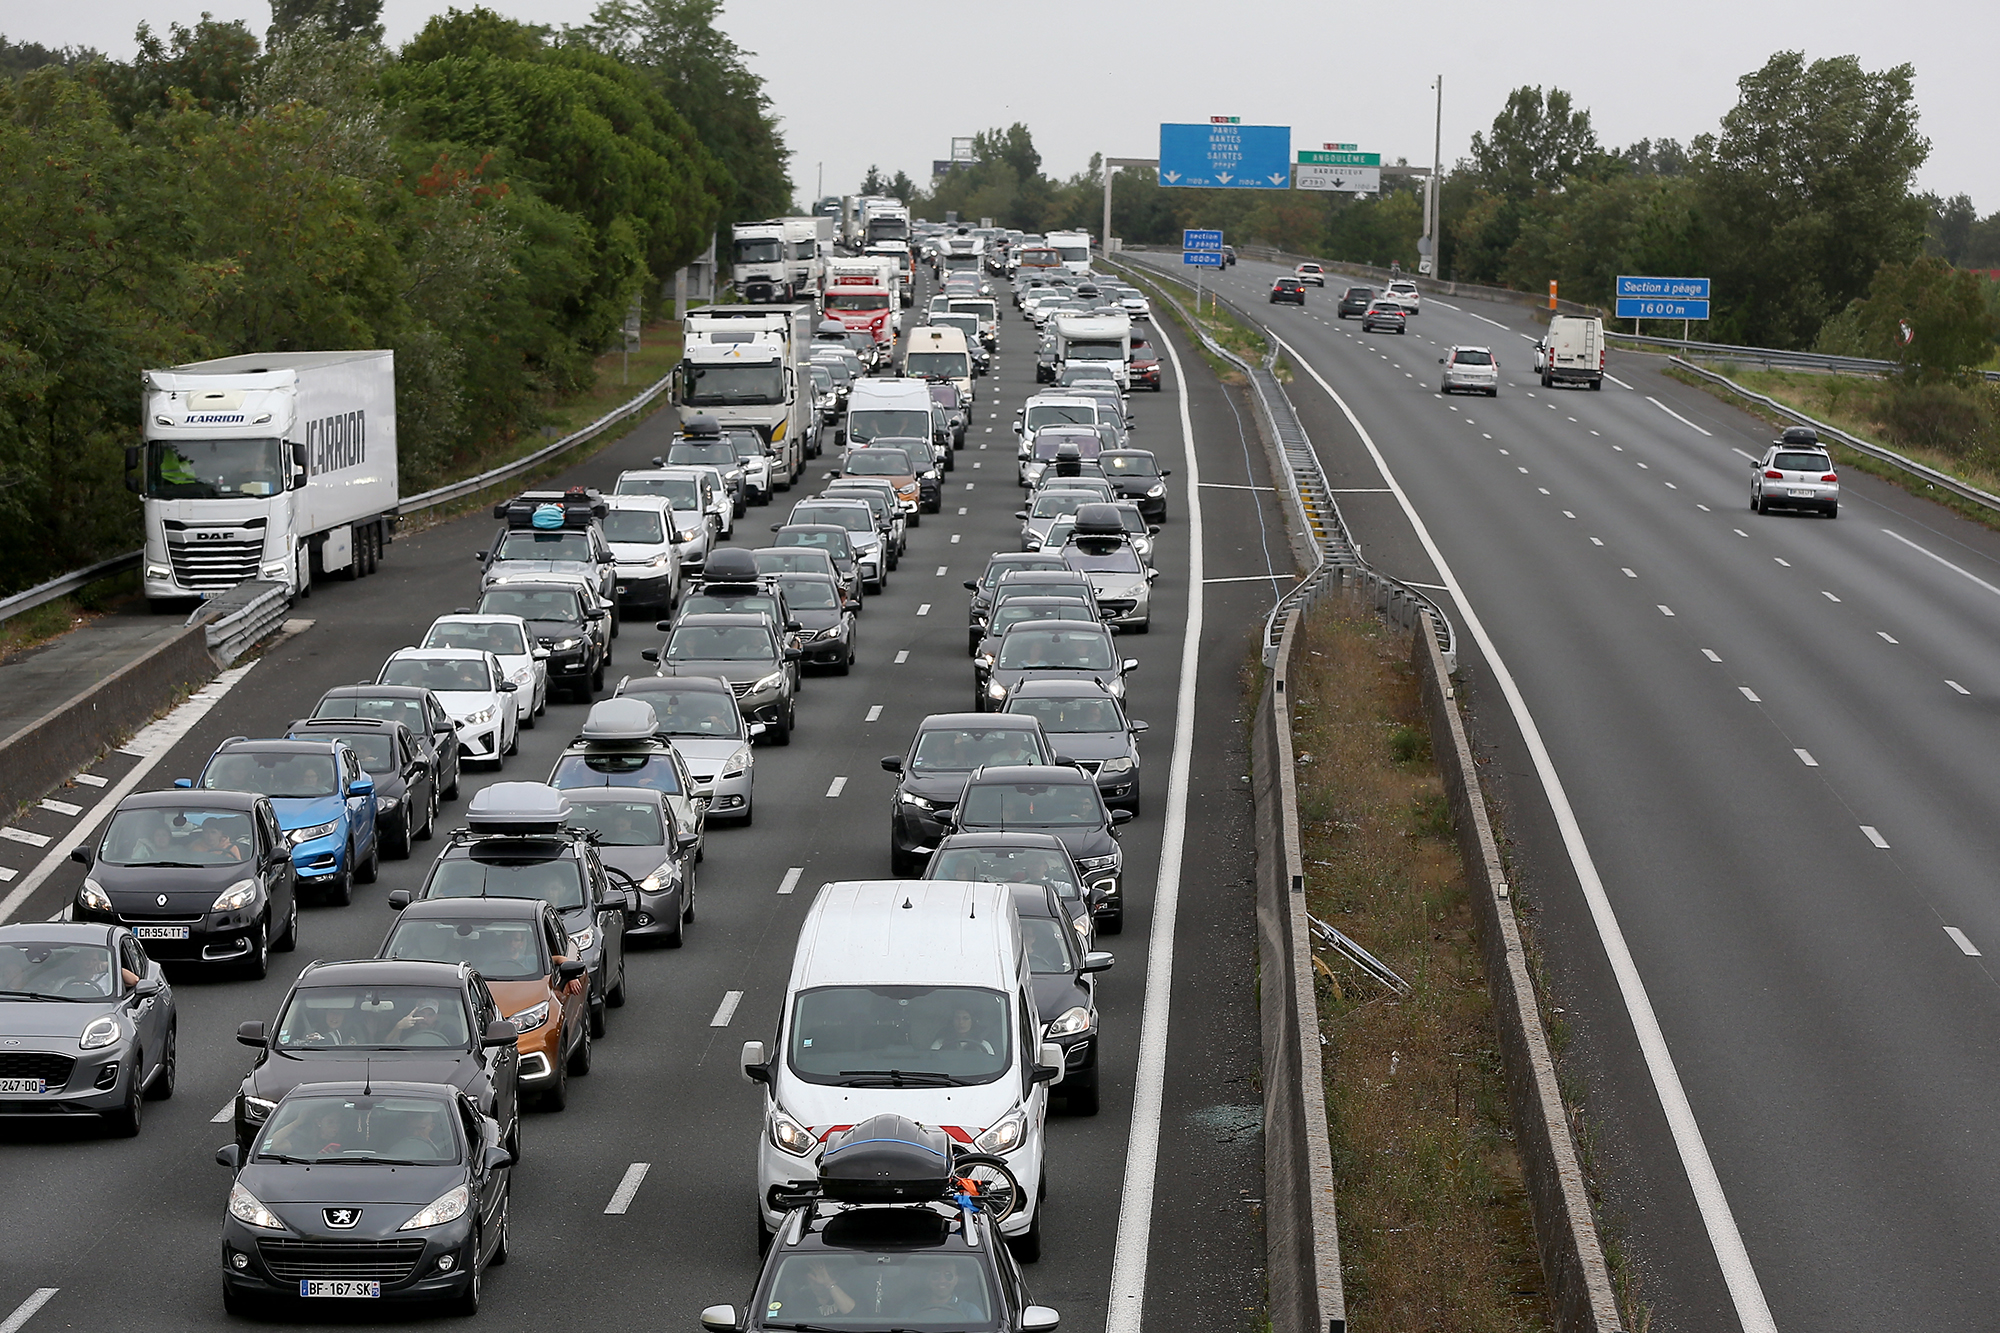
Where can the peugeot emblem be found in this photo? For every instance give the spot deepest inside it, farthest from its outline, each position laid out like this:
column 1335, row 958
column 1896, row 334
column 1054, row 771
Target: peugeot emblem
column 161, row 900
column 342, row 1218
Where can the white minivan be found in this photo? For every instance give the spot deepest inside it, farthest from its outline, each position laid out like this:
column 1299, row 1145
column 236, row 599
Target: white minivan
column 912, row 998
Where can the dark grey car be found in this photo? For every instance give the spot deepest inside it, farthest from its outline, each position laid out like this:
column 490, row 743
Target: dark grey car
column 1062, row 801
column 636, row 834
column 1065, row 991
column 1088, row 727
column 417, row 709
column 746, row 652
column 945, row 751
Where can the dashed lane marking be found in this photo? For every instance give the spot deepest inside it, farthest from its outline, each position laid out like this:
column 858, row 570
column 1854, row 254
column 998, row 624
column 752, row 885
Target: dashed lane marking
column 727, row 1009
column 1965, row 946
column 1868, row 831
column 874, row 714
column 635, row 1174
column 790, row 882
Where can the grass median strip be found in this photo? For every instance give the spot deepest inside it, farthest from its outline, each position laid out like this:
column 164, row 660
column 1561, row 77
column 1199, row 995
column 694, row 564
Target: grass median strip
column 1434, row 1224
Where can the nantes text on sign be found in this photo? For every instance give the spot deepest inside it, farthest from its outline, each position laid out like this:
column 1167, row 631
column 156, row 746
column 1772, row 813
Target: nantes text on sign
column 1226, row 156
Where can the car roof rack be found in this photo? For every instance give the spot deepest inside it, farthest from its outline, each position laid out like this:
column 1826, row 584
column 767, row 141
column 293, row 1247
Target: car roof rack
column 550, row 511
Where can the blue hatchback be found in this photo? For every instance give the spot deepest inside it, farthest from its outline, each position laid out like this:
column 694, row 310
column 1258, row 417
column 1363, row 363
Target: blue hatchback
column 324, row 801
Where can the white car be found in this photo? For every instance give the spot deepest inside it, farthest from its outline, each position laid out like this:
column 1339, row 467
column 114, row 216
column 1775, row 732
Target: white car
column 1311, row 273
column 691, row 495
column 474, row 690
column 507, row 638
column 645, row 545
column 1404, row 293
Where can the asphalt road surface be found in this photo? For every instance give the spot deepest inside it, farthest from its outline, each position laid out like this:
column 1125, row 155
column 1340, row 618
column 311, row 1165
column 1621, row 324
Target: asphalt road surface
column 1757, row 838
column 125, row 1232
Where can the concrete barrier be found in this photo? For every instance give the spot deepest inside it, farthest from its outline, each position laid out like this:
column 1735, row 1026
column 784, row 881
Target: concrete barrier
column 69, row 737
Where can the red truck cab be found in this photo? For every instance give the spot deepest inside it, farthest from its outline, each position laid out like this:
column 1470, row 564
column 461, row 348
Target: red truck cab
column 862, row 305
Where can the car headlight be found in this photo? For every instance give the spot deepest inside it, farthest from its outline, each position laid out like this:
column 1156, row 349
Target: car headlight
column 1116, row 766
column 93, row 896
column 1090, row 864
column 447, row 1207
column 480, row 718
column 1157, row 490
column 247, row 1208
column 388, row 804
column 240, row 894
column 1005, row 1135
column 790, row 1136
column 100, row 1031
column 581, row 940
column 739, row 763
column 995, row 690
column 1070, row 1022
column 299, row 835
column 530, row 1018
column 566, row 645
column 773, row 681
column 256, row 1110
column 911, row 798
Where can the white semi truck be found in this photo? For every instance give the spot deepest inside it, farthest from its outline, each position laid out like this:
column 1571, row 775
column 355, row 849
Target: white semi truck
column 278, row 466
column 759, row 263
column 810, row 242
column 743, row 365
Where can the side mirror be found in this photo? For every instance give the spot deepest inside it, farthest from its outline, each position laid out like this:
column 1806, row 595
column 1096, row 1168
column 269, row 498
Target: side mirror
column 251, row 1033
column 1098, row 962
column 850, row 605
column 569, row 970
column 365, row 785
column 599, row 613
column 1152, row 529
column 229, row 1155
column 687, row 842
column 540, row 654
column 649, row 654
column 794, row 626
column 722, row 1319
column 758, row 728
column 1034, row 1319
column 892, row 763
column 1129, row 665
column 793, row 654
column 498, row 1033
column 399, row 899
column 1049, row 1064
column 496, row 1157
column 480, row 556
column 756, row 1062
column 1017, row 428
column 776, row 526
column 1138, row 728
column 972, row 585
column 83, row 856
column 1020, row 513
column 1166, row 472
column 1440, row 360
column 1121, row 817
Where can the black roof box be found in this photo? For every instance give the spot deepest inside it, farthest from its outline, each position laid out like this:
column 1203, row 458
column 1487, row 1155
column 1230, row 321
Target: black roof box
column 1799, row 435
column 701, row 426
column 1098, row 520
column 574, row 508
column 886, row 1159
column 731, row 564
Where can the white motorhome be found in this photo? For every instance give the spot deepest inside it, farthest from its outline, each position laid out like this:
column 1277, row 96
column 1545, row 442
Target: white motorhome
column 1096, row 341
column 926, row 978
column 938, row 352
column 1073, row 247
column 742, row 365
column 275, row 466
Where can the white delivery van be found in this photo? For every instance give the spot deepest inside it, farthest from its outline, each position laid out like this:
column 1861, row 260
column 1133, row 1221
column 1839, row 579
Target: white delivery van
column 1573, row 351
column 912, row 998
column 1073, row 247
column 938, row 352
column 881, row 408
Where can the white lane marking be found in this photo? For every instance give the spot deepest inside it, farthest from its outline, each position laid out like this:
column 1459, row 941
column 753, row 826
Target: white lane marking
column 1127, row 1303
column 225, row 1115
column 1593, row 432
column 924, row 610
column 1710, row 654
column 7, row 875
column 61, row 807
column 1494, row 322
column 150, row 746
column 1597, row 541
column 621, row 1198
column 1336, row 490
column 961, row 509
column 791, row 880
column 22, row 835
column 968, row 485
column 92, row 780
column 1805, row 757
column 1256, row 578
column 1739, row 532
column 1519, row 468
column 1732, row 1256
column 941, row 570
column 1829, row 596
column 1672, row 487
column 1572, row 418
column 1643, row 465
column 1703, row 508
column 1543, row 489
column 837, row 786
column 1675, row 415
column 1628, row 573
column 902, row 657
column 955, row 536
column 1868, row 831
column 874, row 713
column 1956, row 686
column 1613, row 378
column 1965, row 946
column 975, row 463
column 26, row 1309
column 1752, row 457
column 1750, row 694
column 1232, row 486
column 727, row 1009
column 1942, row 561
column 1781, row 560
column 1617, row 448
column 1665, row 610
column 1886, row 636
column 1505, row 453
column 1567, row 514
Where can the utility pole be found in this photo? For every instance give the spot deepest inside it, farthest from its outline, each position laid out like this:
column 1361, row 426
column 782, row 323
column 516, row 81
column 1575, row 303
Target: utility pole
column 820, row 192
column 1111, row 164
column 1437, row 186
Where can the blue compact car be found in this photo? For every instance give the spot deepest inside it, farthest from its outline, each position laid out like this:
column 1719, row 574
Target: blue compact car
column 324, row 800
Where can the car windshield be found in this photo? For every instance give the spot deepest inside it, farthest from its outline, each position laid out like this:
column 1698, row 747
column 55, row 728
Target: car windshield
column 618, row 823
column 1012, row 613
column 888, row 1036
column 1053, row 504
column 720, row 643
column 375, row 749
column 746, row 444
column 280, row 775
column 834, row 544
column 713, row 386
column 1075, row 414
column 496, row 637
column 803, row 558
column 1067, row 649
column 1050, row 443
column 1005, row 865
column 442, row 674
column 524, row 545
column 965, row 324
column 498, row 950
column 189, row 835
column 716, row 454
column 1803, row 463
column 409, row 712
column 725, row 603
column 811, row 595
column 1103, row 555
column 42, row 969
column 680, row 492
column 997, row 569
column 692, row 712
column 1130, row 465
column 1005, row 805
column 542, row 604
column 873, row 423
column 1089, row 713
column 379, row 1017
column 962, row 749
column 1472, row 358
column 555, row 880
column 364, row 1129
column 649, row 769
column 1360, row 293
column 892, row 1288
column 634, row 525
column 940, row 365
column 841, row 516
column 1049, row 943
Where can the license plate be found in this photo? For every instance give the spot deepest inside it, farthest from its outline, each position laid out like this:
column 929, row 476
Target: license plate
column 160, row 932
column 341, row 1290
column 24, row 1085
column 1799, row 495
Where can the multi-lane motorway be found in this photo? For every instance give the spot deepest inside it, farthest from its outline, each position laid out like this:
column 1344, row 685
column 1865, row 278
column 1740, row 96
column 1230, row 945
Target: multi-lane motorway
column 1747, row 772
column 125, row 1232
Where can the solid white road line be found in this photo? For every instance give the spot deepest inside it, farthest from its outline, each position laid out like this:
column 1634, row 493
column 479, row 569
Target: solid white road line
column 1956, row 686
column 1942, row 561
column 621, row 1198
column 727, row 1009
column 1750, row 694
column 1745, row 1291
column 1965, row 946
column 1254, row 578
column 150, row 745
column 874, row 713
column 837, row 786
column 1232, row 486
column 1868, row 831
column 790, row 882
column 1127, row 1304
column 1805, row 757
column 26, row 1309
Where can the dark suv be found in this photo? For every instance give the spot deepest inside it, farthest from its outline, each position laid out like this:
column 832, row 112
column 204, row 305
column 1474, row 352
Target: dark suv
column 947, row 749
column 1355, row 301
column 1288, row 290
column 572, row 626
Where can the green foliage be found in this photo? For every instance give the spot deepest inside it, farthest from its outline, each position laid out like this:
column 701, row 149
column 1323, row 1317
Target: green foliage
column 1537, row 143
column 18, row 58
column 338, row 19
column 209, row 64
column 1932, row 319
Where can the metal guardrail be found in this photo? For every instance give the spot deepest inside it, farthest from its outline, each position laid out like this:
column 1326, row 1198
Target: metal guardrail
column 1941, row 480
column 1340, row 565
column 232, row 621
column 1768, row 357
column 65, row 584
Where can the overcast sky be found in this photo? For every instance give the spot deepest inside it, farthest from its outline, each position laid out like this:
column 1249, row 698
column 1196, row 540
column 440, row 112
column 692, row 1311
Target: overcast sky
column 1102, row 79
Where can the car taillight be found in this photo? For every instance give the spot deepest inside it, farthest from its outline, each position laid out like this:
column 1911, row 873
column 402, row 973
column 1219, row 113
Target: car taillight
column 1774, row 476
column 1831, row 476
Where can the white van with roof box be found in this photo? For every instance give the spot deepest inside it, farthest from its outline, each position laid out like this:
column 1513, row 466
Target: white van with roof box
column 912, row 998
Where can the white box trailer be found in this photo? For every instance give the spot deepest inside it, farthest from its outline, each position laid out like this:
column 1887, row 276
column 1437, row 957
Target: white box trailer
column 274, row 466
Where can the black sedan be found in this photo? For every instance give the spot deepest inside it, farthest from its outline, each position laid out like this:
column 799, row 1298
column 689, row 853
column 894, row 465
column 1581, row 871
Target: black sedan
column 574, row 628
column 1064, row 991
column 1355, row 301
column 1054, row 650
column 87, row 1024
column 1288, row 290
column 945, row 751
column 1136, row 475
column 1058, row 800
column 369, row 1190
column 417, row 709
column 825, row 619
column 1020, row 858
column 406, row 789
column 1088, row 728
column 197, row 876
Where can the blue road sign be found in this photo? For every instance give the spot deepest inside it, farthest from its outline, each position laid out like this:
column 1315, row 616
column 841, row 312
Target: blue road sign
column 1226, row 157
column 1200, row 240
column 1663, row 289
column 1202, row 258
column 1653, row 307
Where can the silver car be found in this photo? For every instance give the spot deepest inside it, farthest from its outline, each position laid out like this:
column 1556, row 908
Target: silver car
column 1795, row 473
column 1473, row 369
column 699, row 717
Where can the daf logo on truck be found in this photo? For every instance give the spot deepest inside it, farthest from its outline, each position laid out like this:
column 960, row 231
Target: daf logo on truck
column 335, row 442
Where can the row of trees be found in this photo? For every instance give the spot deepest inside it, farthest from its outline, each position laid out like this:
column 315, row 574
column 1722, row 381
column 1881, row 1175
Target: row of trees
column 487, row 201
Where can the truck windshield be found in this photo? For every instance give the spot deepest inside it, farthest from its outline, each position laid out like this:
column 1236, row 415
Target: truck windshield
column 869, row 424
column 710, row 386
column 1074, row 254
column 941, row 365
column 758, row 250
column 840, row 300
column 214, row 469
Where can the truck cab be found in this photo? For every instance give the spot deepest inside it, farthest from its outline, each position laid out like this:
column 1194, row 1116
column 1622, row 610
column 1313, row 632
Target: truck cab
column 759, row 265
column 862, row 305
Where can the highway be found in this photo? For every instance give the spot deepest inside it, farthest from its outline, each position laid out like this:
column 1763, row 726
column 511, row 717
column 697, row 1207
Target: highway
column 1746, row 780
column 125, row 1232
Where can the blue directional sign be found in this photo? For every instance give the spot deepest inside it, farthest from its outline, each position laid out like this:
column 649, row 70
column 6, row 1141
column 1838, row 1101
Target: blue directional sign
column 1662, row 298
column 1202, row 258
column 1225, row 156
column 1653, row 307
column 1200, row 240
